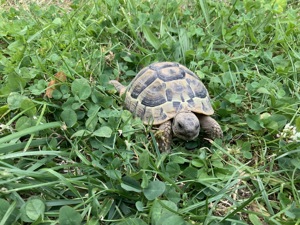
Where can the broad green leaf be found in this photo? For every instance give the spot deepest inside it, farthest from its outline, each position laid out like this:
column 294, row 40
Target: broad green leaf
column 179, row 159
column 29, row 107
column 144, row 160
column 14, row 100
column 280, row 121
column 126, row 115
column 145, row 181
column 81, row 88
column 296, row 212
column 284, row 199
column 190, row 173
column 127, row 59
column 69, row 117
column 130, row 184
column 246, row 150
column 16, row 46
column 190, row 145
column 81, row 133
column 139, row 206
column 93, row 110
column 236, row 99
column 173, row 169
column 198, row 163
column 15, row 82
column 296, row 162
column 217, row 164
column 132, row 221
column 114, row 174
column 289, row 214
column 101, row 99
column 35, row 208
column 263, row 90
column 69, row 216
column 253, row 122
column 127, row 130
column 150, row 37
column 103, row 131
column 106, row 113
column 57, row 21
column 56, row 94
column 24, row 122
column 172, row 195
column 160, row 212
column 154, row 190
column 247, row 154
column 3, row 110
column 24, row 216
column 93, row 221
column 91, row 123
column 172, row 219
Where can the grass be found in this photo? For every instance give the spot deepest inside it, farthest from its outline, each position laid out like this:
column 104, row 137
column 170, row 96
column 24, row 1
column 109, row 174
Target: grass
column 69, row 152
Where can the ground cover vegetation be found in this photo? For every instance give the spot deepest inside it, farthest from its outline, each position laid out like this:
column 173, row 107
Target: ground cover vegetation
column 69, row 152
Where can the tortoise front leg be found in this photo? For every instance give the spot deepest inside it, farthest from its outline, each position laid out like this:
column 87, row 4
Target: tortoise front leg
column 164, row 136
column 210, row 127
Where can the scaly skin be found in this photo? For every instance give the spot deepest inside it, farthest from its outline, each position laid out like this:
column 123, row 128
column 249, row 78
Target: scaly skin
column 210, row 127
column 164, row 136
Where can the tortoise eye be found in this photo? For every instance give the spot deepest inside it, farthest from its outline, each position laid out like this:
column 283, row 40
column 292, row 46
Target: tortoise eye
column 180, row 125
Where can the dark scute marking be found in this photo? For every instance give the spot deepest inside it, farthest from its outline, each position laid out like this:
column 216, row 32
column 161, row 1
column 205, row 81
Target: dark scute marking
column 182, row 98
column 198, row 88
column 136, row 104
column 190, row 92
column 162, row 114
column 140, row 73
column 139, row 87
column 153, row 101
column 191, row 73
column 156, row 87
column 204, row 107
column 177, row 105
column 169, row 94
column 169, row 74
column 143, row 112
column 178, row 88
column 192, row 81
column 191, row 103
column 201, row 93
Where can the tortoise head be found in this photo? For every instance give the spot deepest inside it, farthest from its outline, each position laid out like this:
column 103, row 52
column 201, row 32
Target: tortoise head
column 186, row 126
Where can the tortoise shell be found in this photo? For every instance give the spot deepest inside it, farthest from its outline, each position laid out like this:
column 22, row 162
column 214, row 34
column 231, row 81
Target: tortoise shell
column 163, row 89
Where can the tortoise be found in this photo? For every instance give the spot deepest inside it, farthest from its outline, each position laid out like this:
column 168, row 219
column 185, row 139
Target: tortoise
column 171, row 97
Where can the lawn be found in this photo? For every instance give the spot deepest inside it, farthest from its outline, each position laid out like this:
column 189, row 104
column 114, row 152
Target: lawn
column 70, row 153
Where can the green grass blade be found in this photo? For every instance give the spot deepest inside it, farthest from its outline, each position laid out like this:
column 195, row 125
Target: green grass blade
column 29, row 131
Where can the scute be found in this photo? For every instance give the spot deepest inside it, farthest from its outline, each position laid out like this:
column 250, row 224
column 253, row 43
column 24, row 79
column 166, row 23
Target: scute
column 142, row 83
column 161, row 90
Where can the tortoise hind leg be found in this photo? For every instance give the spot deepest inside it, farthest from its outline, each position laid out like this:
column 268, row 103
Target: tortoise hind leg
column 164, row 136
column 210, row 127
